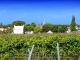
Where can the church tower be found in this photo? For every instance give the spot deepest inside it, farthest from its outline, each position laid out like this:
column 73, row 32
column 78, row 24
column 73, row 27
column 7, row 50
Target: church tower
column 44, row 22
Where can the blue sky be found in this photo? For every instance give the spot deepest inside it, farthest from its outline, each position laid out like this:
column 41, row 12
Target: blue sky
column 54, row 11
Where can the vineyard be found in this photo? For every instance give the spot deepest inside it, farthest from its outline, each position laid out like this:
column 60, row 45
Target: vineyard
column 45, row 44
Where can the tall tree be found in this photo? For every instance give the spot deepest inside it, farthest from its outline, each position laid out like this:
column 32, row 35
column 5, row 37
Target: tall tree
column 0, row 24
column 73, row 24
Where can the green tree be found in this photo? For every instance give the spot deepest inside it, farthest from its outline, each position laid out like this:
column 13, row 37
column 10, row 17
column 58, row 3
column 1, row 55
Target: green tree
column 5, row 26
column 55, row 28
column 33, row 24
column 37, row 29
column 61, row 29
column 73, row 24
column 8, row 25
column 10, row 30
column 65, row 27
column 47, row 27
column 28, row 28
column 18, row 22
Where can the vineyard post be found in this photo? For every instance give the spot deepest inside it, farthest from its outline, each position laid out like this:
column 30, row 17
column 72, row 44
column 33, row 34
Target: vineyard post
column 79, row 57
column 30, row 53
column 58, row 52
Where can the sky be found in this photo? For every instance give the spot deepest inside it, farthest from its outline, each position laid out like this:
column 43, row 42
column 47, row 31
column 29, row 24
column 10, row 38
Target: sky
column 53, row 11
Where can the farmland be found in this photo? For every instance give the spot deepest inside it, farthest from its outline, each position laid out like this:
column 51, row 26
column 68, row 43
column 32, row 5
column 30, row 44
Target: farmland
column 45, row 44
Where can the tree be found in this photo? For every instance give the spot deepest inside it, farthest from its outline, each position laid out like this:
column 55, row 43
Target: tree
column 47, row 27
column 28, row 28
column 55, row 28
column 10, row 30
column 18, row 22
column 61, row 29
column 37, row 29
column 33, row 24
column 1, row 24
column 6, row 26
column 73, row 24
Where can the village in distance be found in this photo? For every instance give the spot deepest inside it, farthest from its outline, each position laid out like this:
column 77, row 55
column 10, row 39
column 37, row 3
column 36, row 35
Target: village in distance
column 20, row 27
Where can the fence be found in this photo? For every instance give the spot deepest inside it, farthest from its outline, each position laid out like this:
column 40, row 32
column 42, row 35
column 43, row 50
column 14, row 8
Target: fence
column 41, row 57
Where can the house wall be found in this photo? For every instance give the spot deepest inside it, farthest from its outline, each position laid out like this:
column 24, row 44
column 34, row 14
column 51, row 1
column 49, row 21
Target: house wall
column 3, row 29
column 18, row 29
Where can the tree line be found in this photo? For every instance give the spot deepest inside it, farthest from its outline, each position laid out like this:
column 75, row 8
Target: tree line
column 41, row 28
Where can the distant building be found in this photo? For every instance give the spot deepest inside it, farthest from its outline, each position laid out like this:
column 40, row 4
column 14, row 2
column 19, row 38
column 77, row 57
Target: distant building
column 50, row 32
column 18, row 29
column 3, row 29
column 76, row 27
column 68, row 31
column 43, row 23
column 29, row 32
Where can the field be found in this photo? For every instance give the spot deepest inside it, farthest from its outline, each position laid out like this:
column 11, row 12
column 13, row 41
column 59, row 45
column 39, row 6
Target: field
column 45, row 44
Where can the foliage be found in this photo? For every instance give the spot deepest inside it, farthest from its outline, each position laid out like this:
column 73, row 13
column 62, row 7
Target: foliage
column 47, row 27
column 18, row 22
column 1, row 24
column 45, row 44
column 55, row 28
column 33, row 24
column 9, row 30
column 65, row 27
column 28, row 28
column 73, row 24
column 5, row 26
column 37, row 29
column 62, row 29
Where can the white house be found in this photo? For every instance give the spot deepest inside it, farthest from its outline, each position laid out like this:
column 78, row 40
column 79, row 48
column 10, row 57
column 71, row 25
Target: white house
column 18, row 29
